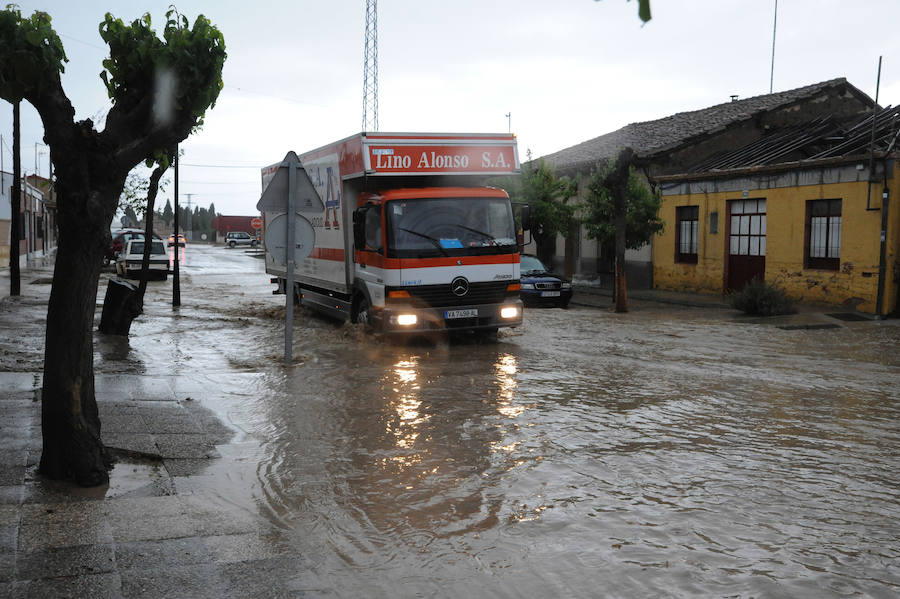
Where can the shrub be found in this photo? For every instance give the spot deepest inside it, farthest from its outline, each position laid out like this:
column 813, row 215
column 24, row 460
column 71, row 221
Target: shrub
column 759, row 298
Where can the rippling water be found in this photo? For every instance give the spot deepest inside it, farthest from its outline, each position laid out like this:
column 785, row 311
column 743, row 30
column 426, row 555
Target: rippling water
column 590, row 454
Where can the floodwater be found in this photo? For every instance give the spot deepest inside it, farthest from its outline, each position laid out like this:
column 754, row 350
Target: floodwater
column 667, row 452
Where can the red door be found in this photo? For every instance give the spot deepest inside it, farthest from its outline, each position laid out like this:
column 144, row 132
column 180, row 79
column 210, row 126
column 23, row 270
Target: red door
column 747, row 242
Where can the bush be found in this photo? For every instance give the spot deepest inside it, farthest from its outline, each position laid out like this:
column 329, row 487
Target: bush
column 759, row 298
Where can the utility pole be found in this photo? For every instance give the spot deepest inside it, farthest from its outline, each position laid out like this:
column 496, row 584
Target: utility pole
column 370, row 69
column 15, row 285
column 774, row 29
column 176, row 284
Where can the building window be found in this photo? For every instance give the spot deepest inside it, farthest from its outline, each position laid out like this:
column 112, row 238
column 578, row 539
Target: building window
column 748, row 228
column 686, row 227
column 823, row 234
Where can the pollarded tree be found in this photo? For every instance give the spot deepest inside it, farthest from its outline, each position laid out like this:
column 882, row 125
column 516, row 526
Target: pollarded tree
column 641, row 209
column 160, row 90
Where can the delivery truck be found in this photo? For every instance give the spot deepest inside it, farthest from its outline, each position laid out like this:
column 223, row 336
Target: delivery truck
column 409, row 236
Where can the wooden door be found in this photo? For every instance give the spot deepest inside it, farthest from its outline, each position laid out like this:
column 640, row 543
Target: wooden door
column 747, row 242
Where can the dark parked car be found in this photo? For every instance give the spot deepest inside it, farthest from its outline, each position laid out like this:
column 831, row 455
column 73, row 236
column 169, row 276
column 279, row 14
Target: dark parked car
column 540, row 287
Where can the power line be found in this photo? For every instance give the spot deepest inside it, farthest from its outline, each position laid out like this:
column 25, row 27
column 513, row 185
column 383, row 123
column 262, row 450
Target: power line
column 257, row 167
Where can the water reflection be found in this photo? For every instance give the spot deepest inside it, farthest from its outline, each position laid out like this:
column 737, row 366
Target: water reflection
column 533, row 468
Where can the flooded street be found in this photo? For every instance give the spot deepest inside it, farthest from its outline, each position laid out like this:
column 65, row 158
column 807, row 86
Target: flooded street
column 667, row 452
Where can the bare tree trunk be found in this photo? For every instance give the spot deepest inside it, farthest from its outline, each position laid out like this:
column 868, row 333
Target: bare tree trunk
column 617, row 182
column 69, row 418
column 620, row 289
column 152, row 190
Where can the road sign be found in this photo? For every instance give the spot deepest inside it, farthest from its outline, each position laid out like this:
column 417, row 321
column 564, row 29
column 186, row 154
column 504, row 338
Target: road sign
column 276, row 234
column 256, row 223
column 275, row 196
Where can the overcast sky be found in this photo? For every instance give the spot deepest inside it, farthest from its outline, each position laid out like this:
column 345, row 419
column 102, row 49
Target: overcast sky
column 565, row 70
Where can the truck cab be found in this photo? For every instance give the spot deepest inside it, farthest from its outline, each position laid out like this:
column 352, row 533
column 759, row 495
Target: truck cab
column 437, row 258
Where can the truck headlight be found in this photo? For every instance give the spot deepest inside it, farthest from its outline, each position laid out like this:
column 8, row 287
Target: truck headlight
column 407, row 320
column 509, row 312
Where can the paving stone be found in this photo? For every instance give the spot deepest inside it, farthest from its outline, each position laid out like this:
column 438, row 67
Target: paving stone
column 179, row 467
column 63, row 525
column 11, row 495
column 9, row 533
column 99, row 586
column 9, row 515
column 148, row 518
column 121, row 421
column 185, row 446
column 12, row 474
column 15, row 456
column 7, row 568
column 79, row 560
column 197, row 581
column 138, row 443
column 274, row 577
column 164, row 553
column 14, row 383
column 248, row 546
column 169, row 419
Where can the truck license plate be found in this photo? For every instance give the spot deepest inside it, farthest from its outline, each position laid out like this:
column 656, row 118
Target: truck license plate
column 549, row 293
column 470, row 313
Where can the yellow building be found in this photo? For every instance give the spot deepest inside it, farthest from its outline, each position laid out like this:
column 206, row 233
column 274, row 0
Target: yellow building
column 813, row 226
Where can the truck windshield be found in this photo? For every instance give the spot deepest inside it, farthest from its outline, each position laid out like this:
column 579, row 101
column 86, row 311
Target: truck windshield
column 426, row 227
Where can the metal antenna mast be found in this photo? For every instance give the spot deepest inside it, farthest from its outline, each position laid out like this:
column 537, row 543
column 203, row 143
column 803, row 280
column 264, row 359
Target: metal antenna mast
column 370, row 69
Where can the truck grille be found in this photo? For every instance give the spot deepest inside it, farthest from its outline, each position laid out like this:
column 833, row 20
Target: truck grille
column 490, row 292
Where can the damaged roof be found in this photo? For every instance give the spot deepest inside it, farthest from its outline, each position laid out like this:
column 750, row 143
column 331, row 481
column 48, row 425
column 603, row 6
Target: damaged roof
column 654, row 137
column 818, row 139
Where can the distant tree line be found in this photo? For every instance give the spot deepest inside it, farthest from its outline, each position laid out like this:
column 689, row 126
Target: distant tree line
column 199, row 219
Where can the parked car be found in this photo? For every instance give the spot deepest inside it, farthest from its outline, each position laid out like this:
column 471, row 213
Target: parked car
column 119, row 238
column 540, row 287
column 233, row 238
column 180, row 240
column 129, row 262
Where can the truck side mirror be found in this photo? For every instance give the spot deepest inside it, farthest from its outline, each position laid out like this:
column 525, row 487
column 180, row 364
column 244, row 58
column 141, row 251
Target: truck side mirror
column 522, row 216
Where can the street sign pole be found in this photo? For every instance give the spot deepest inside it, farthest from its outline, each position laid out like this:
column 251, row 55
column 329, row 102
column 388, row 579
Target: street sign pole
column 289, row 191
column 291, row 261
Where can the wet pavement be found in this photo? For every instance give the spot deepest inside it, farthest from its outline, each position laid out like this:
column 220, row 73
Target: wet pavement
column 673, row 451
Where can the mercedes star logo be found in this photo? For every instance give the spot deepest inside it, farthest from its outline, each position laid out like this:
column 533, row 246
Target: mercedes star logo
column 459, row 286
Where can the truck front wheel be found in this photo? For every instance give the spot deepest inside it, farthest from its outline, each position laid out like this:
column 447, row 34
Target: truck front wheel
column 363, row 313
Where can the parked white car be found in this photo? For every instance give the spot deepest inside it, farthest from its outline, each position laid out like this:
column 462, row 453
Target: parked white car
column 128, row 264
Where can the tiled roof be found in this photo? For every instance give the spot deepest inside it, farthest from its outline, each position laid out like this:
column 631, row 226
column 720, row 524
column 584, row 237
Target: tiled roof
column 650, row 137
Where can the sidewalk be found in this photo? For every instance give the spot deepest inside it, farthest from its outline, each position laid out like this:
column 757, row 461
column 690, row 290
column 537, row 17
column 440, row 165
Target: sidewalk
column 162, row 527
column 588, row 295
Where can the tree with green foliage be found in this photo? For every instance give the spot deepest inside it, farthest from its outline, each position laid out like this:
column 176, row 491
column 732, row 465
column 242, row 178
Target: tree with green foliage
column 641, row 210
column 133, row 200
column 622, row 213
column 548, row 196
column 160, row 89
column 167, row 214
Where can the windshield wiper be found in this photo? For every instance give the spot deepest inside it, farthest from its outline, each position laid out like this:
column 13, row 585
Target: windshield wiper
column 435, row 242
column 491, row 239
